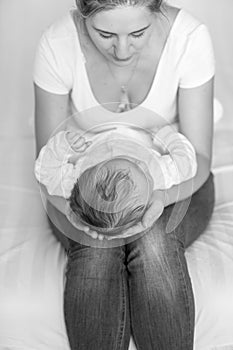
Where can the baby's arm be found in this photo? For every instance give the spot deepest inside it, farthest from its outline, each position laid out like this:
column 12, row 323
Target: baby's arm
column 52, row 167
column 178, row 161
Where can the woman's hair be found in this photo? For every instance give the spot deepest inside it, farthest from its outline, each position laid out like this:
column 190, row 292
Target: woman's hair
column 88, row 8
column 106, row 198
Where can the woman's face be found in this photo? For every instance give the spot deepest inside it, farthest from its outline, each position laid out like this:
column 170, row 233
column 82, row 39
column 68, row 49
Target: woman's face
column 121, row 34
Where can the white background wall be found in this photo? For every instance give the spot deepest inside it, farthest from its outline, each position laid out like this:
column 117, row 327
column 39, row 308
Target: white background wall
column 22, row 22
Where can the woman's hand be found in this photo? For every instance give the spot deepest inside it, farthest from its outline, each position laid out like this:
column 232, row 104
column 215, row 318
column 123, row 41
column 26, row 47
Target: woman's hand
column 79, row 225
column 154, row 211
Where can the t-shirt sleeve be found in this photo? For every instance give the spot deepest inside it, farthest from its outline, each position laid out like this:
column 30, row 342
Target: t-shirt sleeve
column 51, row 71
column 197, row 62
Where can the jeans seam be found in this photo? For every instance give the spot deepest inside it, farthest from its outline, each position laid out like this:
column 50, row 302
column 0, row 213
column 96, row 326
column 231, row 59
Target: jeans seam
column 185, row 294
column 65, row 314
column 123, row 315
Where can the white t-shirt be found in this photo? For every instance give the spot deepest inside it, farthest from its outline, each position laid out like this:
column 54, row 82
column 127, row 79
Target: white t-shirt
column 187, row 61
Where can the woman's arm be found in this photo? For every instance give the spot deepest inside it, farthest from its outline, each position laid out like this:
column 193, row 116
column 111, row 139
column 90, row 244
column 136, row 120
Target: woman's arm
column 196, row 123
column 51, row 110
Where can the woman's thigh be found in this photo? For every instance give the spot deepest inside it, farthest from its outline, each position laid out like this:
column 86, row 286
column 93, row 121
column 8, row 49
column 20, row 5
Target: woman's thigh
column 189, row 218
column 96, row 305
column 87, row 260
column 160, row 291
column 158, row 274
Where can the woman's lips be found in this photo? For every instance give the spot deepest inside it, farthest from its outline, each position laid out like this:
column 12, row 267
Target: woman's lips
column 122, row 59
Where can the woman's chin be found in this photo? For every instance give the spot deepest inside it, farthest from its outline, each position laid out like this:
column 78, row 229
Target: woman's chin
column 121, row 63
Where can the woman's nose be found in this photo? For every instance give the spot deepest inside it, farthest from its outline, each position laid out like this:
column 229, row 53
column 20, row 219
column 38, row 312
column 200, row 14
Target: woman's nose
column 122, row 48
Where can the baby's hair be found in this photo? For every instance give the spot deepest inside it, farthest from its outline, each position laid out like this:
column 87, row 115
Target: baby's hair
column 105, row 197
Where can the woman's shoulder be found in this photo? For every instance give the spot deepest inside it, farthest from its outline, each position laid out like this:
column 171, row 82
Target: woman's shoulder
column 183, row 21
column 187, row 31
column 56, row 56
column 61, row 40
column 61, row 28
column 191, row 50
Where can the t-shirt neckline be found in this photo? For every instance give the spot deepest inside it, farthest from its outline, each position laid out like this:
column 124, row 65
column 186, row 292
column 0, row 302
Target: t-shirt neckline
column 148, row 96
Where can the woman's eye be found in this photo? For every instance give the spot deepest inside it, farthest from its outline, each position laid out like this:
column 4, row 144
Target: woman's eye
column 105, row 36
column 109, row 36
column 138, row 35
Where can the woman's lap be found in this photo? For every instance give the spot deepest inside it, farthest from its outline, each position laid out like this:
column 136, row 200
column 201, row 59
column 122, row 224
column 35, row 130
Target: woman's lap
column 156, row 270
column 198, row 214
column 164, row 269
column 160, row 289
column 96, row 303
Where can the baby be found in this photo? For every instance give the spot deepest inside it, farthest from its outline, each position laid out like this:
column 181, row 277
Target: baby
column 108, row 186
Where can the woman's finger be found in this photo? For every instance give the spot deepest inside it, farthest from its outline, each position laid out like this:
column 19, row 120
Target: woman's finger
column 155, row 209
column 86, row 229
column 95, row 235
column 152, row 214
column 133, row 230
column 129, row 232
column 76, row 223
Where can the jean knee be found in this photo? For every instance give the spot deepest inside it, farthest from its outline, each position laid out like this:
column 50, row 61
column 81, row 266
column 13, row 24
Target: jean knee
column 156, row 257
column 95, row 262
column 154, row 246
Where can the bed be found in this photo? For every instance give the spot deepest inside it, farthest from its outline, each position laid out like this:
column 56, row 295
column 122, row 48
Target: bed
column 33, row 261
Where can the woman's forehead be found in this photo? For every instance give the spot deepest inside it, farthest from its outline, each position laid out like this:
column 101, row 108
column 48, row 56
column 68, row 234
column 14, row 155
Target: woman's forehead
column 124, row 18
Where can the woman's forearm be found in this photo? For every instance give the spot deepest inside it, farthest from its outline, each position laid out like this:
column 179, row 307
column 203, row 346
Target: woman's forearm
column 186, row 189
column 56, row 201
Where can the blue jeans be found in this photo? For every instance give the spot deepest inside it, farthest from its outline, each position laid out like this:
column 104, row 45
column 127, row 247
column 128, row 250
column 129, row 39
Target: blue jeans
column 142, row 288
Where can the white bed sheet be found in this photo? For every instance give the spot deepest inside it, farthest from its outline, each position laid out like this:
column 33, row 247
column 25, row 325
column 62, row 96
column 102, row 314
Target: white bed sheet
column 32, row 261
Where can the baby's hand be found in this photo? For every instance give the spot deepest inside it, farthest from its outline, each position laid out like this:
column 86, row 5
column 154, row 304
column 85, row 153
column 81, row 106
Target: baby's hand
column 77, row 142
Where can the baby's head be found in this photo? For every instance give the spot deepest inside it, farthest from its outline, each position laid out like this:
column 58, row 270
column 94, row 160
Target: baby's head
column 111, row 195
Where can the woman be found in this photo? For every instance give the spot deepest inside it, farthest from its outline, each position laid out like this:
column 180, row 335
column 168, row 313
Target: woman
column 136, row 53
